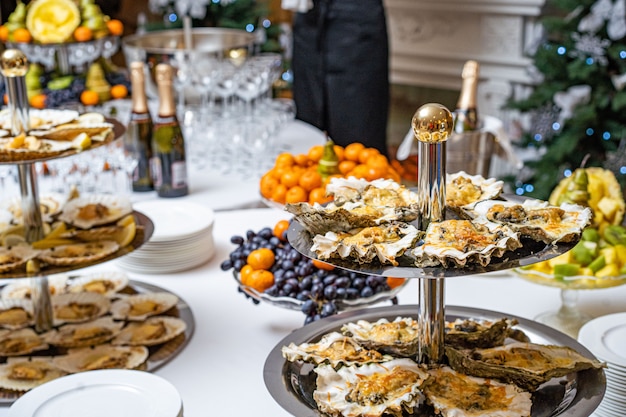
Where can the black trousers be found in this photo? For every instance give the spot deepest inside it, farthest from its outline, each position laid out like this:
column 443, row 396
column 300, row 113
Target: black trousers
column 341, row 70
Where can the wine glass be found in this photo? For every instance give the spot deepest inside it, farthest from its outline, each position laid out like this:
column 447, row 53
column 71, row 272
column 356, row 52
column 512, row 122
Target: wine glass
column 568, row 318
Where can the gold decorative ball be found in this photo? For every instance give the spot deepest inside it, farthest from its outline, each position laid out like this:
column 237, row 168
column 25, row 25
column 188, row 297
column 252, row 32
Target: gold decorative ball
column 432, row 123
column 13, row 63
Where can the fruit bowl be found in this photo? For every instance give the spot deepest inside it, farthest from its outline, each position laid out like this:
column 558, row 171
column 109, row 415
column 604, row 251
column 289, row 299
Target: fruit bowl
column 577, row 282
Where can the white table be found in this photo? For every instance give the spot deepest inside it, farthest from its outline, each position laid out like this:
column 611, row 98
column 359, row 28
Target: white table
column 220, row 371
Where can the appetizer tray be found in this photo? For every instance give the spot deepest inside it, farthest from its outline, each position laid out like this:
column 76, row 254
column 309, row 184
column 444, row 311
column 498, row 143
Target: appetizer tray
column 291, row 384
column 158, row 355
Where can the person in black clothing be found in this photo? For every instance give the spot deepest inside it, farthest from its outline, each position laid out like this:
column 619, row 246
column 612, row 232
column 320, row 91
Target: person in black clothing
column 341, row 70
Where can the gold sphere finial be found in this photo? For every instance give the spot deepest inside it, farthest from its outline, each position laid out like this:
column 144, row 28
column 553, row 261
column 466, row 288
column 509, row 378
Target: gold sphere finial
column 13, row 63
column 432, row 123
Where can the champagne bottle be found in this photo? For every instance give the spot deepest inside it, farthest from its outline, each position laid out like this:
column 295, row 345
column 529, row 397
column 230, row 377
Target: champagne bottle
column 169, row 168
column 466, row 113
column 138, row 139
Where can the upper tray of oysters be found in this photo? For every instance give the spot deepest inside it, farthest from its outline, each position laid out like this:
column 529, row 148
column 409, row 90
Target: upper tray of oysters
column 52, row 133
column 370, row 222
column 77, row 232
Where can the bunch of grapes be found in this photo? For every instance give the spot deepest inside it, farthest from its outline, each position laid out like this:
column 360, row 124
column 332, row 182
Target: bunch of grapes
column 64, row 96
column 118, row 77
column 296, row 276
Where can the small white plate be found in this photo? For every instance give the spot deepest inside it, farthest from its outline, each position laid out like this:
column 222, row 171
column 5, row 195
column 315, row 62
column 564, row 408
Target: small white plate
column 102, row 393
column 176, row 220
column 605, row 337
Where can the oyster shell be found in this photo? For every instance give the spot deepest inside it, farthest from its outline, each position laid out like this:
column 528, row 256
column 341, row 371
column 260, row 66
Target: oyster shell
column 78, row 253
column 105, row 283
column 152, row 331
column 335, row 349
column 453, row 394
column 91, row 333
column 24, row 374
column 49, row 205
column 20, row 342
column 12, row 258
column 22, row 289
column 398, row 337
column 385, row 243
column 464, row 190
column 16, row 314
column 102, row 357
column 357, row 203
column 468, row 333
column 95, row 210
column 526, row 365
column 41, row 119
column 139, row 307
column 536, row 219
column 372, row 390
column 459, row 242
column 79, row 307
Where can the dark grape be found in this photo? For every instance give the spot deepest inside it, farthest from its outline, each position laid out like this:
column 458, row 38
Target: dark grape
column 237, row 240
column 226, row 265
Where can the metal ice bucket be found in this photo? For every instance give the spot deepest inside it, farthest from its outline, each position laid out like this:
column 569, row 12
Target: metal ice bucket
column 471, row 152
column 153, row 48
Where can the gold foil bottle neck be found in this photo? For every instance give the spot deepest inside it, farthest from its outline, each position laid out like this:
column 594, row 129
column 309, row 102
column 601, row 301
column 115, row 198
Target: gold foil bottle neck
column 164, row 74
column 467, row 98
column 137, row 80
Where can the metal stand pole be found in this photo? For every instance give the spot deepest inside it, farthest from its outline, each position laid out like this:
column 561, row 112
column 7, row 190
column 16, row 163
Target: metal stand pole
column 432, row 125
column 14, row 66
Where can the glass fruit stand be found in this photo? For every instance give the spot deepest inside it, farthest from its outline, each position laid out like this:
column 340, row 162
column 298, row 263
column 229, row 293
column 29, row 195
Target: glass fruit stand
column 291, row 383
column 13, row 65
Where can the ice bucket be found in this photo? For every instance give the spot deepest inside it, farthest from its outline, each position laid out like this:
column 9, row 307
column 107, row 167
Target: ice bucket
column 471, row 152
column 153, row 48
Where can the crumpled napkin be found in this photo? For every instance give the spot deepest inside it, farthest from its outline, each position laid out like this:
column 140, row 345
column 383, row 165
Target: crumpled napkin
column 297, row 5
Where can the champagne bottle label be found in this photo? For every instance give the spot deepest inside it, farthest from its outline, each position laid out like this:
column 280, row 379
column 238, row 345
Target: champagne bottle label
column 155, row 168
column 179, row 174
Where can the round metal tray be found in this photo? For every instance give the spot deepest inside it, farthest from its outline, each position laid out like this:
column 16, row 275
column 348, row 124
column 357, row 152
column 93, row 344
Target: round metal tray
column 145, row 228
column 159, row 355
column 291, row 384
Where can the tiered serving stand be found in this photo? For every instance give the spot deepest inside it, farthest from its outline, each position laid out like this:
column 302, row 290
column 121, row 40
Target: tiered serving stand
column 13, row 65
column 292, row 384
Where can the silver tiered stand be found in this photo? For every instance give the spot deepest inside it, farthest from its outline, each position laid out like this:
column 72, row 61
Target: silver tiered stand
column 432, row 125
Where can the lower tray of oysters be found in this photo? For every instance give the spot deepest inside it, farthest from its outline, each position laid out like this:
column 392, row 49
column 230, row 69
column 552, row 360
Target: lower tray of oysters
column 372, row 221
column 100, row 322
column 490, row 368
column 78, row 230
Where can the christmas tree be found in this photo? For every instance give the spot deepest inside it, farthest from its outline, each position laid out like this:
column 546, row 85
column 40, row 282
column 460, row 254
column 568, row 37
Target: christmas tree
column 578, row 106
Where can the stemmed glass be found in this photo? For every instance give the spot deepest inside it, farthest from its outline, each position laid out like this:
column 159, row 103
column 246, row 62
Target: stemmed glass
column 6, row 171
column 183, row 76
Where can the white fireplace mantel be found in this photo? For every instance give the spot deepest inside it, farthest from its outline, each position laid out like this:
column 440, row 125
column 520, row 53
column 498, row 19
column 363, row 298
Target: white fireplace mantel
column 430, row 40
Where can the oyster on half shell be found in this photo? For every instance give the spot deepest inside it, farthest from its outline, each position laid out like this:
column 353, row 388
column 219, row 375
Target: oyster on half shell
column 102, row 357
column 371, row 390
column 105, row 283
column 16, row 314
column 79, row 307
column 95, row 210
column 78, row 253
column 335, row 349
column 459, row 242
column 152, row 331
column 468, row 333
column 357, row 203
column 20, row 342
column 398, row 337
column 16, row 256
column 536, row 219
column 91, row 333
column 23, row 374
column 526, row 365
column 453, row 394
column 464, row 190
column 139, row 307
column 384, row 243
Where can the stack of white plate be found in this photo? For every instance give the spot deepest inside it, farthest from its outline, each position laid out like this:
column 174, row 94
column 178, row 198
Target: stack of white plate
column 605, row 337
column 182, row 238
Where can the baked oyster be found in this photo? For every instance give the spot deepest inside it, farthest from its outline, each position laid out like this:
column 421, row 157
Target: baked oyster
column 95, row 210
column 20, row 342
column 453, row 394
column 536, row 219
column 455, row 243
column 464, row 190
column 398, row 337
column 372, row 390
column 78, row 307
column 357, row 203
column 384, row 243
column 335, row 349
column 14, row 257
column 91, row 333
column 78, row 253
column 527, row 365
column 49, row 205
column 152, row 331
column 16, row 314
column 105, row 283
column 102, row 357
column 469, row 333
column 22, row 289
column 139, row 307
column 24, row 374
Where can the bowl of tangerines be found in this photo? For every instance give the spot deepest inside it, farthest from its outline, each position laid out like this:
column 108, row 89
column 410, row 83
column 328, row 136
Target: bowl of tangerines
column 303, row 177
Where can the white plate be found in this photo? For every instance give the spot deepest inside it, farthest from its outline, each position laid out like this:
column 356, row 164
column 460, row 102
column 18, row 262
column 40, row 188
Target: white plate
column 102, row 393
column 175, row 219
column 606, row 337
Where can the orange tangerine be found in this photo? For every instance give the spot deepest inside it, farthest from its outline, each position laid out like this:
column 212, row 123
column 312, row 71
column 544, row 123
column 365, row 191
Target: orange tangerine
column 316, row 152
column 290, row 178
column 323, row 265
column 268, row 185
column 119, row 91
column 22, row 35
column 89, row 98
column 310, row 179
column 262, row 258
column 38, row 101
column 284, row 159
column 83, row 34
column 360, row 171
column 115, row 27
column 394, row 282
column 279, row 194
column 318, row 195
column 296, row 194
column 261, row 280
column 280, row 228
column 346, row 166
column 244, row 274
column 4, row 33
column 367, row 153
column 339, row 151
column 375, row 173
column 302, row 160
column 352, row 151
